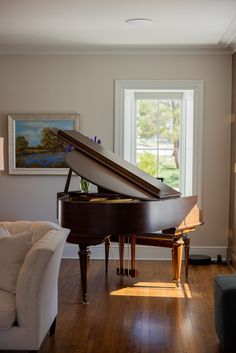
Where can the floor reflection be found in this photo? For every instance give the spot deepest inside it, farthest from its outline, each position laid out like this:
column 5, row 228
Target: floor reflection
column 155, row 289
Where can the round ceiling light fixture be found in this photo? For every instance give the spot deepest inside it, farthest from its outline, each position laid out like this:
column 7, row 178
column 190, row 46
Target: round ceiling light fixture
column 138, row 21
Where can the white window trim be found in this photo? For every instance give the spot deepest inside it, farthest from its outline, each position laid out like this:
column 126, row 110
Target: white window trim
column 197, row 86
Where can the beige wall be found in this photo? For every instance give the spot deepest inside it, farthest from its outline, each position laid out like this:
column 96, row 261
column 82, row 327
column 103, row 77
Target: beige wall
column 85, row 84
column 232, row 219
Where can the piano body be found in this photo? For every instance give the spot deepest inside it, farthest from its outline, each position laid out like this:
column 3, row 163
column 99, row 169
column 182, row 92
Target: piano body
column 133, row 203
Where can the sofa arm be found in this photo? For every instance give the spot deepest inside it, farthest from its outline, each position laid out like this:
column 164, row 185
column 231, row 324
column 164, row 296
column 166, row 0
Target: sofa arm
column 37, row 289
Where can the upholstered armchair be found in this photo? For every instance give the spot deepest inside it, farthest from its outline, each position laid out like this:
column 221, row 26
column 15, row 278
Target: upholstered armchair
column 30, row 256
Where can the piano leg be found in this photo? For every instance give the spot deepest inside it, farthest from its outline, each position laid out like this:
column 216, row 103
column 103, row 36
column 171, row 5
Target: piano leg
column 133, row 272
column 84, row 255
column 177, row 251
column 186, row 250
column 107, row 248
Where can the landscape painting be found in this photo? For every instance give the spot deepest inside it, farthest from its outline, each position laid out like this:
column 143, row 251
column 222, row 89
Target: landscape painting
column 33, row 149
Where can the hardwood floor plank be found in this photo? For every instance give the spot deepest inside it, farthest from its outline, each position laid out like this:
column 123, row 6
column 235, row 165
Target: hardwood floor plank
column 142, row 315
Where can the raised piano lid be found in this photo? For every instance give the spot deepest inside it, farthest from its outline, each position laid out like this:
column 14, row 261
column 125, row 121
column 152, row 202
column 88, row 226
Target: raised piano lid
column 106, row 169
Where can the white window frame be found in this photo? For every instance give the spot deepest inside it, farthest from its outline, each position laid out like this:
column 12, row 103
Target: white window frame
column 120, row 128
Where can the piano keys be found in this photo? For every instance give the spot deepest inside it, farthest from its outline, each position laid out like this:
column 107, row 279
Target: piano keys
column 133, row 202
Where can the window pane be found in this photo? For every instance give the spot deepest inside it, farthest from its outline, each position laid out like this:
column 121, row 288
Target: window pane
column 146, row 122
column 167, row 170
column 157, row 138
column 169, row 116
column 147, row 161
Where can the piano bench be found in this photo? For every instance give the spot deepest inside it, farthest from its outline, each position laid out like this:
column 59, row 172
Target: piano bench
column 166, row 241
column 225, row 310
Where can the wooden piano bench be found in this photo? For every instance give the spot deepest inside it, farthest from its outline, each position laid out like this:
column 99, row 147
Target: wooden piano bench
column 172, row 242
column 176, row 242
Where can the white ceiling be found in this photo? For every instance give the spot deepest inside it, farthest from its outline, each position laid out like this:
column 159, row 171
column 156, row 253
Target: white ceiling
column 87, row 25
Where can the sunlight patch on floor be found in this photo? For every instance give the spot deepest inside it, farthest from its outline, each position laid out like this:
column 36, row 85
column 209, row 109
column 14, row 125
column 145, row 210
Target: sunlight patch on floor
column 155, row 289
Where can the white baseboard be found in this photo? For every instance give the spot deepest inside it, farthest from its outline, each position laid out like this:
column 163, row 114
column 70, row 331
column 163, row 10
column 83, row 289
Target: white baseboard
column 143, row 252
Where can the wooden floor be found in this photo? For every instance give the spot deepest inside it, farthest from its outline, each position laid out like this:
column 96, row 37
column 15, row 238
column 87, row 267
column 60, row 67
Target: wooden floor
column 144, row 315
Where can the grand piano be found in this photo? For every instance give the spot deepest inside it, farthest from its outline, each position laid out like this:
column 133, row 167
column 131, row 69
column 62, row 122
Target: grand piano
column 131, row 202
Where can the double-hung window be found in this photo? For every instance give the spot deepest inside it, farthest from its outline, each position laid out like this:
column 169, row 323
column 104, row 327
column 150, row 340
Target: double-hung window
column 158, row 127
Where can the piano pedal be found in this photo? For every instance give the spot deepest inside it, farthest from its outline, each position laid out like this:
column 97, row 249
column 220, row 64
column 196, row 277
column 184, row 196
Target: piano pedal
column 120, row 271
column 133, row 273
column 126, row 272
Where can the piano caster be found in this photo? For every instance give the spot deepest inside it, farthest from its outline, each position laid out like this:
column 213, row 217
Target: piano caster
column 85, row 299
column 178, row 283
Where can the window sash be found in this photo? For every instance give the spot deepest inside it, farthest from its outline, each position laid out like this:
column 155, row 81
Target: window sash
column 193, row 177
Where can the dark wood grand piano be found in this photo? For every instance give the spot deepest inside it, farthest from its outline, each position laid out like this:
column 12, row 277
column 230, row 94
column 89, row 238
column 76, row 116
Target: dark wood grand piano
column 133, row 203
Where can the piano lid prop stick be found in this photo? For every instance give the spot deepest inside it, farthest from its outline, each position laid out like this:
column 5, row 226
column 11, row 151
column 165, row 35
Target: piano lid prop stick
column 68, row 181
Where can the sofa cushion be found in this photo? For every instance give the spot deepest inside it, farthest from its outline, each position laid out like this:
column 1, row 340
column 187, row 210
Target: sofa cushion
column 4, row 232
column 7, row 310
column 12, row 253
column 17, row 226
column 39, row 228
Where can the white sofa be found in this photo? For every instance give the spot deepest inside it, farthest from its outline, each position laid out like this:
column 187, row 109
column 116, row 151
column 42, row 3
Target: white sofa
column 28, row 313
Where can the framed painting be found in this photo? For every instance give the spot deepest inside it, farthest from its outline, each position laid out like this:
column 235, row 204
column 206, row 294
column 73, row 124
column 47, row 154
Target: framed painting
column 33, row 149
